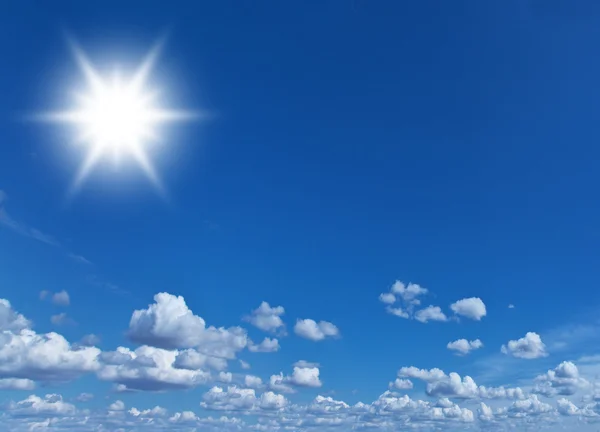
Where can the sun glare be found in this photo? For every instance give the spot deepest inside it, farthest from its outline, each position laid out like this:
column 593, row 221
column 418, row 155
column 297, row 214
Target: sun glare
column 117, row 117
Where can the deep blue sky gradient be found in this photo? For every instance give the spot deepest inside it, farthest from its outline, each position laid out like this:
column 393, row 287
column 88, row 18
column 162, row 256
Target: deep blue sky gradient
column 353, row 143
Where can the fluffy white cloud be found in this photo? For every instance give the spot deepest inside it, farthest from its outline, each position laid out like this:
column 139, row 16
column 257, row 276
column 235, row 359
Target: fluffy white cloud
column 10, row 320
column 452, row 385
column 401, row 384
column 310, row 329
column 16, row 384
column 528, row 347
column 472, row 308
column 387, row 298
column 192, row 359
column 237, row 399
column 562, row 380
column 306, row 377
column 463, row 346
column 149, row 369
column 170, row 324
column 409, row 293
column 34, row 406
column 43, row 357
column 252, row 381
column 266, row 346
column 430, row 313
column 267, row 318
column 244, row 365
column 61, row 298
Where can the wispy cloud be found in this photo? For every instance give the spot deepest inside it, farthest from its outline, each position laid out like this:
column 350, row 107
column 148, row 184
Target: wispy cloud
column 20, row 228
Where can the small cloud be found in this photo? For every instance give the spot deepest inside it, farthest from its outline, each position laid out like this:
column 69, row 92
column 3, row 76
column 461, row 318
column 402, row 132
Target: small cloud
column 78, row 258
column 310, row 329
column 90, row 340
column 528, row 347
column 266, row 346
column 61, row 298
column 244, row 365
column 44, row 294
column 472, row 308
column 61, row 319
column 463, row 346
column 511, row 306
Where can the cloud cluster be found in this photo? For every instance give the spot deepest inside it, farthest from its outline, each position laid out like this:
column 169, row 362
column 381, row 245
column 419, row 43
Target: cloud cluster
column 403, row 301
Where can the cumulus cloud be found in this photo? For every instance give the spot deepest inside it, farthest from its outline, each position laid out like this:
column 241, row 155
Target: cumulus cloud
column 528, row 347
column 252, row 381
column 61, row 298
column 170, row 324
column 452, row 385
column 463, row 346
column 562, row 380
column 267, row 318
column 401, row 384
column 61, row 319
column 472, row 308
column 16, row 384
column 238, row 399
column 402, row 301
column 266, row 346
column 310, row 329
column 50, row 405
column 430, row 313
column 10, row 320
column 39, row 357
column 148, row 369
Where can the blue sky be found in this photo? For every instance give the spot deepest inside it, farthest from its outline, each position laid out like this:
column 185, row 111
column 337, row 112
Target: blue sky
column 361, row 162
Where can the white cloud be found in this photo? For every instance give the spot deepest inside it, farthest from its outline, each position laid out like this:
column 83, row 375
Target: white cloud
column 192, row 359
column 306, row 377
column 169, row 324
column 10, row 320
column 148, row 369
column 244, row 365
column 237, row 399
column 40, row 357
column 61, row 319
column 401, row 384
column 472, row 308
column 90, row 340
column 528, row 347
column 430, row 313
column 387, row 298
column 562, row 380
column 16, row 384
column 463, row 346
column 452, row 385
column 61, row 298
column 266, row 346
column 34, row 406
column 310, row 329
column 267, row 318
column 252, row 381
column 409, row 293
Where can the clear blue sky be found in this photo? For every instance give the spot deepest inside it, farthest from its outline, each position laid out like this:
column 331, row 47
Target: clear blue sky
column 351, row 144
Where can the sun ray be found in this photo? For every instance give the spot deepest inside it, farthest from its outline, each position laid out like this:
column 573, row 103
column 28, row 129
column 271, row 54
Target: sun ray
column 117, row 117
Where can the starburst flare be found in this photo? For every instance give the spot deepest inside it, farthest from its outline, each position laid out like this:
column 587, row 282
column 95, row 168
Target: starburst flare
column 117, row 117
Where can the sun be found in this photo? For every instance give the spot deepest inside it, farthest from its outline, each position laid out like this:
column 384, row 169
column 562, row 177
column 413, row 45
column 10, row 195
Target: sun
column 117, row 116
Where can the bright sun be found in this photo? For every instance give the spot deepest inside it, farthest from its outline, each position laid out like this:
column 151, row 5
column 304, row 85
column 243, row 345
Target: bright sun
column 117, row 117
